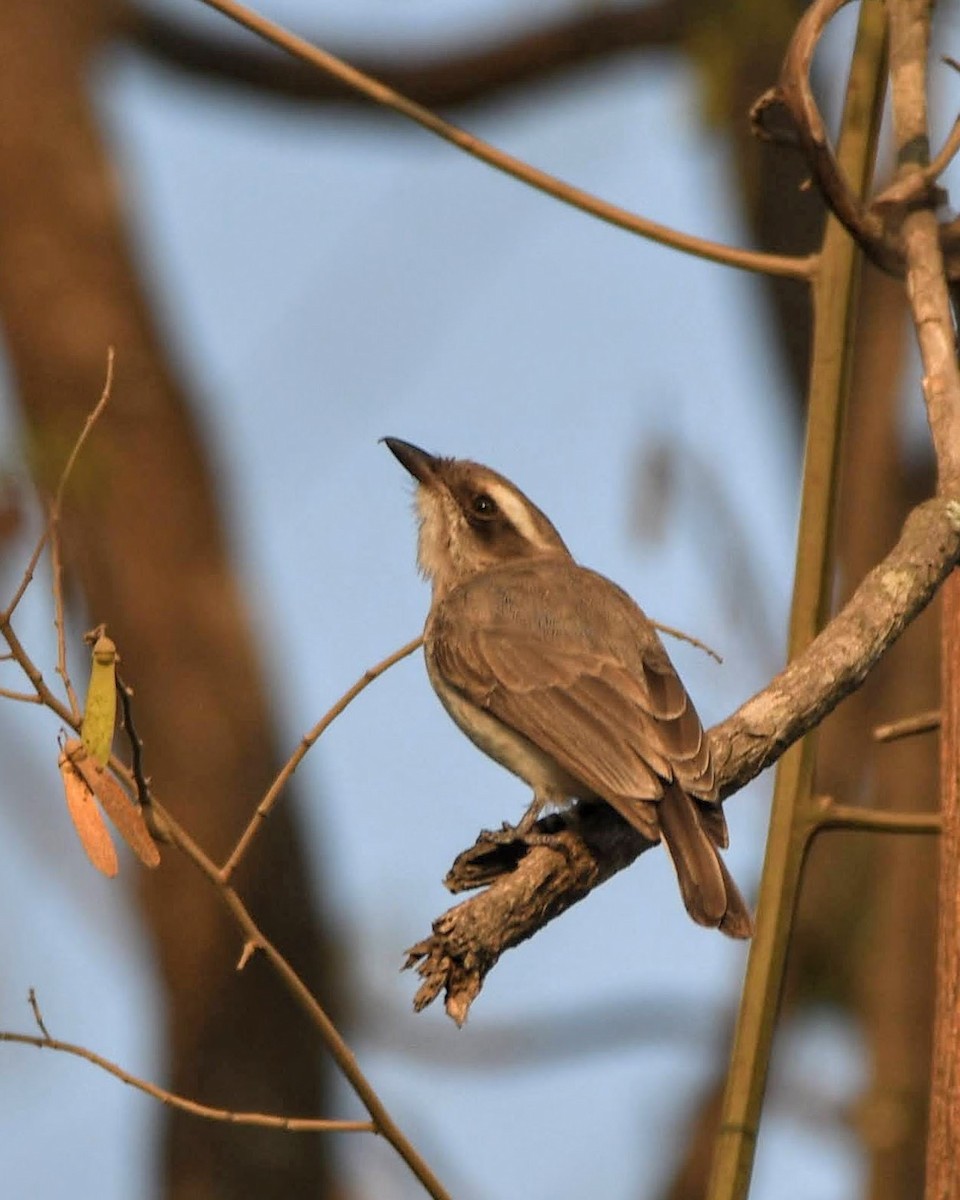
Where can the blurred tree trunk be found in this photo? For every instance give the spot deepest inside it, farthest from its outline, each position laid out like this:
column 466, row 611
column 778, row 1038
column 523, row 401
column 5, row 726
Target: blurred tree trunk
column 144, row 541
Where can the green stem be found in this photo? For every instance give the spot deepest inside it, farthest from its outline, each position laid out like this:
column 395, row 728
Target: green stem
column 795, row 812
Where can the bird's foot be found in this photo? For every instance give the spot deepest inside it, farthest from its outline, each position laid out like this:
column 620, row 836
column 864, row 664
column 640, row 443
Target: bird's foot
column 532, row 829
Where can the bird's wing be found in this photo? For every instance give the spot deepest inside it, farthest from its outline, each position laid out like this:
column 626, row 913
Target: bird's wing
column 622, row 723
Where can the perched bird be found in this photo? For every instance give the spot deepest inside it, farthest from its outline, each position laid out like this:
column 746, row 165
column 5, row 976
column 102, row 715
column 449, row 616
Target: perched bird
column 554, row 672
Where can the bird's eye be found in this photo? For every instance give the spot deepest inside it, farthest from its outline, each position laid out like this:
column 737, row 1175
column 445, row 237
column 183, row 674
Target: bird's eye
column 483, row 505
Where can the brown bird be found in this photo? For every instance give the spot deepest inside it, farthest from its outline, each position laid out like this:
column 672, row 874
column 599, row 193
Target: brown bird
column 554, row 672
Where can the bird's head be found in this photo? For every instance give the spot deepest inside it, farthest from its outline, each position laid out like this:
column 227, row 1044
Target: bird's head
column 471, row 518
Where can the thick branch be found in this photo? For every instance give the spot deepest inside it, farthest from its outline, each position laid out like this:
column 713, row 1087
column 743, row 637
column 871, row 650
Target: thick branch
column 530, row 885
column 838, row 661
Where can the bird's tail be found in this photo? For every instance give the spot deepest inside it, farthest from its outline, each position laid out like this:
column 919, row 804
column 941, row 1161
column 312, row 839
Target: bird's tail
column 709, row 893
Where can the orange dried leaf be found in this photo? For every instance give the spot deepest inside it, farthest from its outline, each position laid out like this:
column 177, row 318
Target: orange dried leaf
column 89, row 824
column 125, row 815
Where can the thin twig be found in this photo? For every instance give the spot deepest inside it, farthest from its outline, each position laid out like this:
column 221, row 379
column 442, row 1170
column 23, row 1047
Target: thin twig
column 332, row 1039
column 273, row 792
column 53, row 527
column 33, row 673
column 20, row 697
column 686, row 637
column 786, row 266
column 947, row 152
column 923, row 722
column 910, row 188
column 37, row 1014
column 17, row 651
column 381, row 1122
column 26, row 578
column 91, row 420
column 227, row 1116
column 794, row 90
column 56, row 570
column 874, row 820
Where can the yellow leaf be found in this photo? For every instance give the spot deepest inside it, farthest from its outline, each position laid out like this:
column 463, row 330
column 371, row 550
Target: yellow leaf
column 100, row 714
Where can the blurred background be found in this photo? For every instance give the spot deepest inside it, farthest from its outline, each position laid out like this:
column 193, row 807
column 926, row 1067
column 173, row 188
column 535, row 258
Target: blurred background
column 288, row 275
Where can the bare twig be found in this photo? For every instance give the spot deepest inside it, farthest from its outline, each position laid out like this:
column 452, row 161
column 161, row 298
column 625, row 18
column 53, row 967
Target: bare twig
column 37, row 1014
column 785, row 266
column 26, row 578
column 33, row 673
column 273, row 792
column 877, row 227
column 381, row 1122
column 947, row 152
column 874, row 820
column 56, row 569
column 17, row 651
column 85, row 432
column 686, row 637
column 794, row 91
column 172, row 1100
column 923, row 722
column 20, row 697
column 330, row 1035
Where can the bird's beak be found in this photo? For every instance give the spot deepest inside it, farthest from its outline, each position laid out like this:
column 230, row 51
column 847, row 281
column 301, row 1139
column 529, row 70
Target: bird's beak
column 421, row 465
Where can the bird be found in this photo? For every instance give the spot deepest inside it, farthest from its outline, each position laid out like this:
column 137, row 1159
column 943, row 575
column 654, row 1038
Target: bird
column 556, row 673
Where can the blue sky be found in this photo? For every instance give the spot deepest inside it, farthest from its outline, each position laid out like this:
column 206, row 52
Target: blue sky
column 325, row 280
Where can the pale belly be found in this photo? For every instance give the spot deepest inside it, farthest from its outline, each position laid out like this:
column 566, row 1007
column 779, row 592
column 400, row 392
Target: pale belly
column 508, row 747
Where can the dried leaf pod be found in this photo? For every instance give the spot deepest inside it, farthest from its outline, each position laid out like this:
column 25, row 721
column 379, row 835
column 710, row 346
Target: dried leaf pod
column 87, row 820
column 100, row 712
column 124, row 814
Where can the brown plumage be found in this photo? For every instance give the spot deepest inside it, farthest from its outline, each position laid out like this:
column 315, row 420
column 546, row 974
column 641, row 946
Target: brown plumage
column 556, row 673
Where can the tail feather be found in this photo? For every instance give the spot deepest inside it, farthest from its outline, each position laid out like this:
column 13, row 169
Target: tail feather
column 709, row 894
column 737, row 920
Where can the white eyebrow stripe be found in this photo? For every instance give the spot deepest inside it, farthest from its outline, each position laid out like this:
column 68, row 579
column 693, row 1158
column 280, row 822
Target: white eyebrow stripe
column 517, row 513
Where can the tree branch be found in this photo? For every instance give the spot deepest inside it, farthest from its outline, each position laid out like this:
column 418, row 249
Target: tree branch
column 172, row 1100
column 875, row 227
column 784, row 265
column 528, row 885
column 283, row 777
